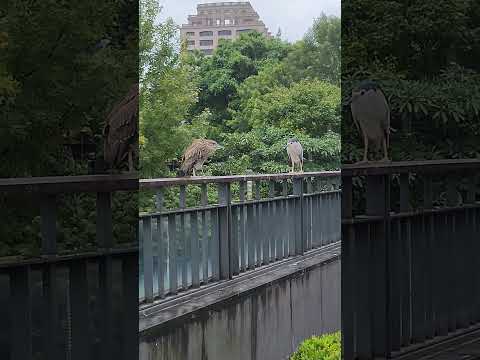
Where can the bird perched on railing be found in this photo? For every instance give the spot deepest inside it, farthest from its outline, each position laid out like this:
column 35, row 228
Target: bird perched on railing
column 196, row 155
column 121, row 132
column 371, row 116
column 295, row 153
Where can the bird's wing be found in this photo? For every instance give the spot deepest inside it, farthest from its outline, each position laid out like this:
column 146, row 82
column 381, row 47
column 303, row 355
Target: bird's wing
column 121, row 127
column 355, row 121
column 386, row 109
column 198, row 151
column 372, row 113
column 295, row 152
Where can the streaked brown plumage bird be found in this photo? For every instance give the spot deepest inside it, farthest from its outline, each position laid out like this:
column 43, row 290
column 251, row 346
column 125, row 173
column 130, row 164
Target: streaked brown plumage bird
column 121, row 132
column 196, row 155
column 371, row 115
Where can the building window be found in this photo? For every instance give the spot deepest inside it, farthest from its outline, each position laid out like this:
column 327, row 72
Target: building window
column 206, row 33
column 247, row 21
column 209, row 22
column 244, row 30
column 191, row 42
column 219, row 22
column 206, row 42
column 235, row 21
column 190, row 33
column 225, row 32
column 207, row 51
column 228, row 22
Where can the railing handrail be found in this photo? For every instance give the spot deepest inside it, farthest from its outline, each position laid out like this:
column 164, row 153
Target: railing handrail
column 418, row 166
column 62, row 184
column 165, row 182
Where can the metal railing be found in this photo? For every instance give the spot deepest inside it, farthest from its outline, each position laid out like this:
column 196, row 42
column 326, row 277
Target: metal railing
column 67, row 306
column 254, row 220
column 410, row 238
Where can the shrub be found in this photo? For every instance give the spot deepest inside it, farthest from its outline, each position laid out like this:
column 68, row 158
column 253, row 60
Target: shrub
column 325, row 347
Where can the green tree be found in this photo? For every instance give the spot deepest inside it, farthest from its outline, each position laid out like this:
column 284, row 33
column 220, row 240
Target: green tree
column 52, row 65
column 167, row 90
column 318, row 55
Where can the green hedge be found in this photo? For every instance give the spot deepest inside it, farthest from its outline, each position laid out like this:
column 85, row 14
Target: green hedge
column 325, row 347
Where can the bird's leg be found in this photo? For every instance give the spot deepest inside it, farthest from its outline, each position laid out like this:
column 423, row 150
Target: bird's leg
column 365, row 147
column 293, row 167
column 194, row 172
column 301, row 166
column 385, row 151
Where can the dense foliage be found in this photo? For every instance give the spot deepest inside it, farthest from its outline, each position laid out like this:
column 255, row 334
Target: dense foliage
column 325, row 347
column 422, row 53
column 251, row 95
column 62, row 67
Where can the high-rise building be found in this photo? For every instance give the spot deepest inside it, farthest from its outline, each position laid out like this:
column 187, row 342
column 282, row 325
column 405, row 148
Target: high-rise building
column 221, row 20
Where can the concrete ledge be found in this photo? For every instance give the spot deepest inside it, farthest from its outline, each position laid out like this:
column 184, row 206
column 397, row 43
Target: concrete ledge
column 181, row 308
column 441, row 346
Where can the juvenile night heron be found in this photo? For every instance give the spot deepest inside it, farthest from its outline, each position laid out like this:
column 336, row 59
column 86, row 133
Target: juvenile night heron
column 371, row 115
column 196, row 155
column 121, row 132
column 295, row 153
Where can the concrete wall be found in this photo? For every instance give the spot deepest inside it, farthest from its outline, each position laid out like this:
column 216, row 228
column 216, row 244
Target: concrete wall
column 266, row 324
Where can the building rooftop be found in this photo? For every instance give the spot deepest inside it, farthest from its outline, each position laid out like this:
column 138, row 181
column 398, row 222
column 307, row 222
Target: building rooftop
column 224, row 3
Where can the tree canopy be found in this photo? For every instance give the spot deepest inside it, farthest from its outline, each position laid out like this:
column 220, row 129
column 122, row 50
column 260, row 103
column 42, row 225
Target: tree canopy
column 423, row 55
column 251, row 95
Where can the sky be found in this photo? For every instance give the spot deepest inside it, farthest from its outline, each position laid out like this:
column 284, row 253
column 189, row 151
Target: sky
column 293, row 17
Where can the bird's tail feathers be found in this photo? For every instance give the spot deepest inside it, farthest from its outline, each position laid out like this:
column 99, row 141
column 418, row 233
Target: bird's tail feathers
column 393, row 130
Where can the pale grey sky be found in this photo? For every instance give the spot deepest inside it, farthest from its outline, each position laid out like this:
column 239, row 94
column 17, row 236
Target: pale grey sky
column 294, row 17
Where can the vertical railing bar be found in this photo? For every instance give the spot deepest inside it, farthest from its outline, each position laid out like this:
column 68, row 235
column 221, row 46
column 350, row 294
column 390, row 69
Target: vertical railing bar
column 49, row 248
column 285, row 188
column 204, row 195
column 182, row 198
column 49, row 224
column 50, row 315
column 226, row 248
column 215, row 245
column 205, row 237
column 104, row 231
column 147, row 258
column 183, row 239
column 242, row 191
column 79, row 297
column 130, row 306
column 159, row 199
column 172, row 253
column 107, row 304
column 161, row 270
column 250, row 224
column 205, row 247
column 21, row 314
column 242, row 242
column 195, row 250
column 258, row 238
column 299, row 216
column 234, row 257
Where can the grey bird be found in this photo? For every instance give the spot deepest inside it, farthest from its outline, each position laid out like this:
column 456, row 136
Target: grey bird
column 295, row 153
column 371, row 115
column 196, row 155
column 121, row 132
